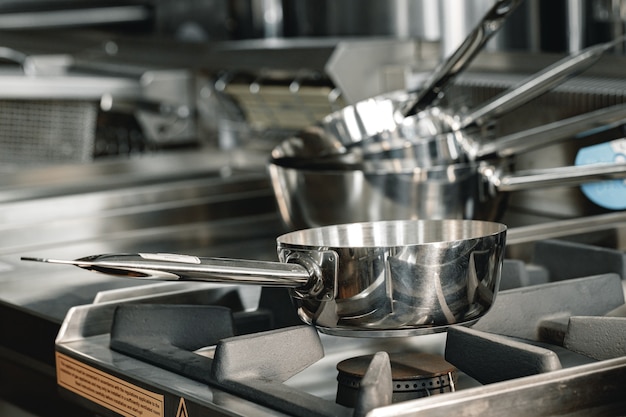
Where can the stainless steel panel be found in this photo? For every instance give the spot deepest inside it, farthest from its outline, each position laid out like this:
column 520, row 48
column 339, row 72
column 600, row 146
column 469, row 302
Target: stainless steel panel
column 213, row 204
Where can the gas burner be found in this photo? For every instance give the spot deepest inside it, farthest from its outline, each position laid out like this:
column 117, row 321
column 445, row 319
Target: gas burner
column 549, row 346
column 414, row 375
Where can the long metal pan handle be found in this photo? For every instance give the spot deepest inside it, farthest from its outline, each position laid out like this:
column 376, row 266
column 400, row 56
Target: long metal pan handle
column 563, row 228
column 174, row 267
column 464, row 54
column 538, row 84
column 13, row 55
column 577, row 126
column 550, row 177
column 453, row 147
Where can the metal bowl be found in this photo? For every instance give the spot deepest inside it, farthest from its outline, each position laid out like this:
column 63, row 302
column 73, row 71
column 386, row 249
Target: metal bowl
column 401, row 278
column 389, row 190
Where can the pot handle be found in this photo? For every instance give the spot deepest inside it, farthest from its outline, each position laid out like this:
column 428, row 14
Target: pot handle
column 537, row 84
column 464, row 54
column 578, row 126
column 300, row 273
column 550, row 177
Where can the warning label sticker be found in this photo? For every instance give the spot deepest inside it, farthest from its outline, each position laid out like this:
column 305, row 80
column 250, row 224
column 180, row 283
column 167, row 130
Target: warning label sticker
column 106, row 390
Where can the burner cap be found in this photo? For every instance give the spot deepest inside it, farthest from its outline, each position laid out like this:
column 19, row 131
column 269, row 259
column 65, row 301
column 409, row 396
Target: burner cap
column 414, row 375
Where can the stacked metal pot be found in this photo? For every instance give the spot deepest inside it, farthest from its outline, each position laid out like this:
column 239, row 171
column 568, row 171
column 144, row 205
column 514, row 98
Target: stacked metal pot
column 402, row 156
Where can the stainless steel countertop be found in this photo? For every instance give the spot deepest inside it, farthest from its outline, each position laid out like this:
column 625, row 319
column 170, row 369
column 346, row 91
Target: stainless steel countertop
column 197, row 203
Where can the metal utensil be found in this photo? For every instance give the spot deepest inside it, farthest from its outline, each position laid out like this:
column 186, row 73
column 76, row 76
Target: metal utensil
column 397, row 189
column 372, row 126
column 434, row 121
column 445, row 73
column 535, row 85
column 378, row 115
column 450, row 148
column 375, row 279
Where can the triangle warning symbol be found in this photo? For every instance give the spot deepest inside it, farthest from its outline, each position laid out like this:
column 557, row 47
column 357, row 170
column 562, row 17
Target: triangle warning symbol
column 182, row 408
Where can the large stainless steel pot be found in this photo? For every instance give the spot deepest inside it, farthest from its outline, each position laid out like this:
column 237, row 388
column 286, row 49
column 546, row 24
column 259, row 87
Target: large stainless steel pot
column 375, row 279
column 397, row 189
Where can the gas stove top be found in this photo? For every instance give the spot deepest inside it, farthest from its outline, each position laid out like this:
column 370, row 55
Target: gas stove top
column 552, row 344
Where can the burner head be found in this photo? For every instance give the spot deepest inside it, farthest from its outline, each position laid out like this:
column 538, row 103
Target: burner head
column 414, row 375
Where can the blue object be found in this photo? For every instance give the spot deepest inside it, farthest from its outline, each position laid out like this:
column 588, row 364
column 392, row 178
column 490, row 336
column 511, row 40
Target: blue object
column 610, row 194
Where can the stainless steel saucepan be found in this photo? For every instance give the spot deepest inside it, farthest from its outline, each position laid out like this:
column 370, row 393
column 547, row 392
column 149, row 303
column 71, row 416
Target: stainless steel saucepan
column 397, row 189
column 370, row 118
column 364, row 127
column 375, row 279
column 453, row 147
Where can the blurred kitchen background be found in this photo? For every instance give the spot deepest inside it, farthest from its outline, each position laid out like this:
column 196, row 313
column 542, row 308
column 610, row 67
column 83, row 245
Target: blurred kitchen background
column 151, row 122
column 85, row 80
